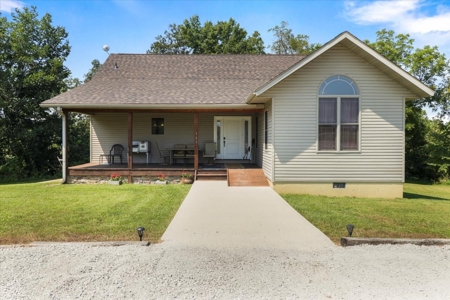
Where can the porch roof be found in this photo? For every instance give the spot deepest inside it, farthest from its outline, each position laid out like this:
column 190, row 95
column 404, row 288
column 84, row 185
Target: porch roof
column 139, row 80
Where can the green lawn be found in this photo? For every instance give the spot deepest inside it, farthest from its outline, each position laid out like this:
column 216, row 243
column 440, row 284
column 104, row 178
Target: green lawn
column 50, row 211
column 424, row 212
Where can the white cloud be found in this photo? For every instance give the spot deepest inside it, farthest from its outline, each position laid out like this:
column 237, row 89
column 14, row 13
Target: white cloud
column 417, row 17
column 437, row 23
column 379, row 11
column 10, row 5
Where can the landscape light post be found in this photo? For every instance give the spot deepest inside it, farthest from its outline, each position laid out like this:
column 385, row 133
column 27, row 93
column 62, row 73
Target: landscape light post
column 140, row 231
column 350, row 229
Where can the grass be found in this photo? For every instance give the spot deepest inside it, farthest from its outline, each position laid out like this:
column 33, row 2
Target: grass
column 49, row 211
column 424, row 212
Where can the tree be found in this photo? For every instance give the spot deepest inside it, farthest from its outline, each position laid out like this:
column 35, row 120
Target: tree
column 71, row 82
column 90, row 74
column 191, row 37
column 32, row 55
column 438, row 147
column 427, row 64
column 286, row 43
column 432, row 68
column 416, row 152
column 79, row 124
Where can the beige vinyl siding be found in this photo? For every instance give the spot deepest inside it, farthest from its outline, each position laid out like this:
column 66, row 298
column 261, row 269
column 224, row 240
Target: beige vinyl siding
column 381, row 155
column 111, row 128
column 107, row 130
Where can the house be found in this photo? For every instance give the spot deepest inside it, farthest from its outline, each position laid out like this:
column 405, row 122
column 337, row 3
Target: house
column 331, row 123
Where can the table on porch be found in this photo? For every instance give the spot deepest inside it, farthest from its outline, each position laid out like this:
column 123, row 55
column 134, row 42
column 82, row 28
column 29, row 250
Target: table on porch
column 148, row 155
column 172, row 150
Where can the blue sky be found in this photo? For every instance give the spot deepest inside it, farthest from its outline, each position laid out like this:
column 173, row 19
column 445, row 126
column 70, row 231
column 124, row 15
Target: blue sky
column 130, row 26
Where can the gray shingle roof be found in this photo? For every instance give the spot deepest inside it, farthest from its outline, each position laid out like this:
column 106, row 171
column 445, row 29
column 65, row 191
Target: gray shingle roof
column 177, row 79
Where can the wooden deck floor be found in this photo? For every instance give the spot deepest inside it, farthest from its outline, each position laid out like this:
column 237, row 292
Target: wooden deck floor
column 247, row 177
column 205, row 171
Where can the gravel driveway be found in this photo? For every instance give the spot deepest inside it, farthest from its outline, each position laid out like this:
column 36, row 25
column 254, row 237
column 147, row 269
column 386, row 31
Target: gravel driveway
column 168, row 271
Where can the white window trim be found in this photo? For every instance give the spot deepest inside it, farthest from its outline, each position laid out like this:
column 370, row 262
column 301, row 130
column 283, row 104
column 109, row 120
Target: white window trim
column 338, row 125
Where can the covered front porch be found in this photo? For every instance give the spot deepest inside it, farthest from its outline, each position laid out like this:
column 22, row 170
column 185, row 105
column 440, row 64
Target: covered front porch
column 234, row 132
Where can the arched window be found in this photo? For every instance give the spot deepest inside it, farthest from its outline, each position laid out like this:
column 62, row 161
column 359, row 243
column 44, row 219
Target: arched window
column 338, row 85
column 338, row 115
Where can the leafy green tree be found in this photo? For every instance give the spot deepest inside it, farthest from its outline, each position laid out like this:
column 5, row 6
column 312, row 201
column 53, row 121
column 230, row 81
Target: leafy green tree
column 438, row 147
column 79, row 124
column 432, row 68
column 427, row 64
column 79, row 133
column 286, row 42
column 191, row 37
column 32, row 55
column 90, row 74
column 71, row 83
column 416, row 152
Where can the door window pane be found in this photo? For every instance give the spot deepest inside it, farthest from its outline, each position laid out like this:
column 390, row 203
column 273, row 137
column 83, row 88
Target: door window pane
column 246, row 134
column 218, row 136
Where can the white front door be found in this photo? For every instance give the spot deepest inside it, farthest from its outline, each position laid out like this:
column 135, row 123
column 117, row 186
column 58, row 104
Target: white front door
column 232, row 135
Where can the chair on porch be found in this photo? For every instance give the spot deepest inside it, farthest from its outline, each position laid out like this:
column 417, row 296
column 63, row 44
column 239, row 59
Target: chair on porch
column 163, row 154
column 210, row 151
column 190, row 151
column 116, row 150
column 179, row 151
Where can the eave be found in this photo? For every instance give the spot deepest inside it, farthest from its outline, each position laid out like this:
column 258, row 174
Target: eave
column 157, row 108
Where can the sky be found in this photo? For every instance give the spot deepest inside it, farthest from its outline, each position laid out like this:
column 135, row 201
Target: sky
column 130, row 26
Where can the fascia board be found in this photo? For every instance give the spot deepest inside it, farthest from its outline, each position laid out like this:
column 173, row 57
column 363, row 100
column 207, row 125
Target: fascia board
column 152, row 106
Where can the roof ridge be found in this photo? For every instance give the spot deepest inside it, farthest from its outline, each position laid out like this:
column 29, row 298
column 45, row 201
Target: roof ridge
column 219, row 54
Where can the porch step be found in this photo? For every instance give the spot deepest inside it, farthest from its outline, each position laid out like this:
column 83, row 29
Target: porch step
column 247, row 177
column 211, row 175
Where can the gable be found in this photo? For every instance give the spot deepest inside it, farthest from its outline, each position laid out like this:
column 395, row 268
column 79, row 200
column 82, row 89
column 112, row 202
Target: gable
column 360, row 49
column 338, row 60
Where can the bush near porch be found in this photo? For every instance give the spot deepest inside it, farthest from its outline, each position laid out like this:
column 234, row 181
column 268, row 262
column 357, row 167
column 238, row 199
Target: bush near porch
column 423, row 212
column 50, row 211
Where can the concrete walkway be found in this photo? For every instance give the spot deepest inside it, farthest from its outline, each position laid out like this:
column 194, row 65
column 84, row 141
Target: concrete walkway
column 214, row 215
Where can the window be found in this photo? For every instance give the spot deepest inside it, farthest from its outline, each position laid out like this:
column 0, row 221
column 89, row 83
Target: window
column 218, row 138
column 265, row 130
column 256, row 133
column 338, row 115
column 157, row 125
